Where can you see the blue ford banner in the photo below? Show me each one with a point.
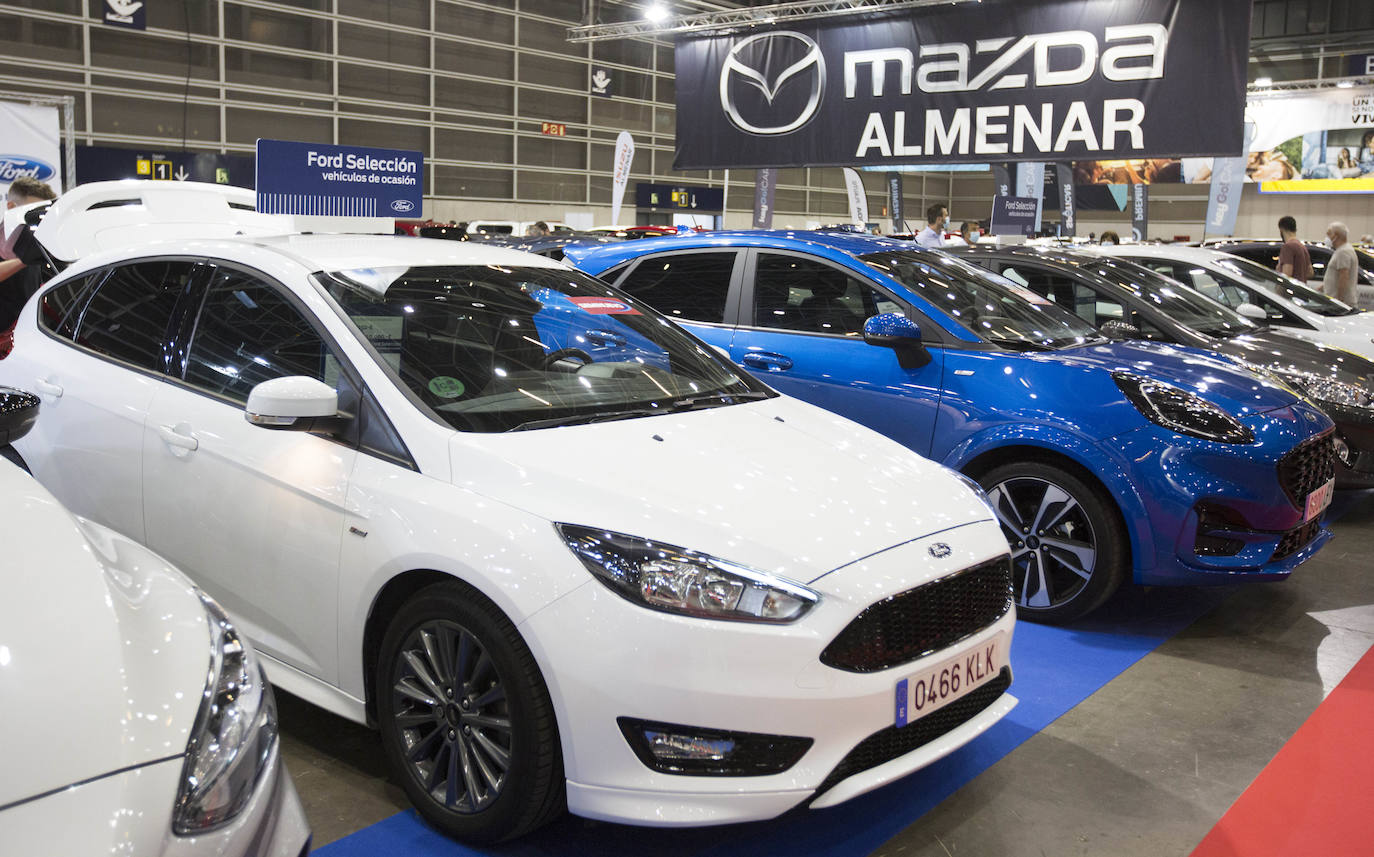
(1014, 215)
(320, 178)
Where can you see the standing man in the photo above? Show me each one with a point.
(16, 284)
(1339, 280)
(1294, 260)
(934, 234)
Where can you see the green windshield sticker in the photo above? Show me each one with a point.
(445, 387)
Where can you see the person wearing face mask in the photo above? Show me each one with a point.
(1110, 237)
(1339, 279)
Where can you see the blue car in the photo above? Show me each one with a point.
(1102, 459)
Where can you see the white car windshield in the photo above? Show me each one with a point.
(488, 348)
(1309, 299)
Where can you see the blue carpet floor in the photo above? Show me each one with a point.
(1055, 669)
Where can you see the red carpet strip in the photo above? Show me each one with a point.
(1316, 797)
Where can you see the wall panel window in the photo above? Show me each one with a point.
(473, 182)
(259, 68)
(488, 26)
(553, 152)
(614, 113)
(404, 13)
(246, 126)
(114, 114)
(131, 50)
(466, 58)
(545, 36)
(547, 71)
(370, 43)
(458, 145)
(545, 106)
(488, 98)
(282, 29)
(567, 10)
(385, 135)
(631, 52)
(556, 187)
(52, 40)
(382, 84)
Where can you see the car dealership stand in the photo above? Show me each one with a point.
(1137, 731)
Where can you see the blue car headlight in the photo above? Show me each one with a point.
(676, 580)
(1181, 411)
(234, 733)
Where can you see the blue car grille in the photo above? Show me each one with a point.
(1308, 467)
(923, 620)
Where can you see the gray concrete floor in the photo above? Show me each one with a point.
(1143, 767)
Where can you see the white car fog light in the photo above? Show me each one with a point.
(672, 748)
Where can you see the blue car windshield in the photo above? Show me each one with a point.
(987, 304)
(491, 348)
(1309, 299)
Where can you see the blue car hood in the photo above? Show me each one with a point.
(1219, 381)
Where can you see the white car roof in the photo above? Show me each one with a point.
(1182, 252)
(332, 252)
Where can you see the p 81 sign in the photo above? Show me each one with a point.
(554, 129)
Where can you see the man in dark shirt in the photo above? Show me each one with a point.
(17, 282)
(1294, 260)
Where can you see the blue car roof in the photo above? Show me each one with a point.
(824, 243)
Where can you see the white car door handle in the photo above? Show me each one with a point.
(47, 388)
(172, 437)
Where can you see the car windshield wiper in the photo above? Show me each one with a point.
(1019, 344)
(586, 419)
(715, 400)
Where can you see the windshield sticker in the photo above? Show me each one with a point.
(446, 387)
(603, 306)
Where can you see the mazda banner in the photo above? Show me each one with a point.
(1001, 80)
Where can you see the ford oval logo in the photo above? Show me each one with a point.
(14, 166)
(939, 550)
(402, 205)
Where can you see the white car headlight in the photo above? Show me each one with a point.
(234, 733)
(677, 580)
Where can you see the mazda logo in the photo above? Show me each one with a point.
(768, 50)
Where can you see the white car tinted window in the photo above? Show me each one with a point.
(129, 315)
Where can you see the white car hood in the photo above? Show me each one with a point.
(1362, 324)
(104, 651)
(778, 485)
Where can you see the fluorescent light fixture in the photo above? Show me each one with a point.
(656, 13)
(1264, 81)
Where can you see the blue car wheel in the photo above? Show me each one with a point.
(1067, 543)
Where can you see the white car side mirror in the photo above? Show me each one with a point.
(1251, 311)
(292, 402)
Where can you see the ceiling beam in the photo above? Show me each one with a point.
(773, 13)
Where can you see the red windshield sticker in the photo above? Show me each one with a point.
(604, 306)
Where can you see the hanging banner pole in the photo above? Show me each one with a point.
(1140, 211)
(624, 159)
(1223, 199)
(894, 201)
(765, 183)
(1068, 226)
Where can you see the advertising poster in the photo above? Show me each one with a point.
(624, 159)
(340, 181)
(1014, 215)
(765, 187)
(1140, 211)
(1068, 216)
(858, 198)
(32, 144)
(996, 81)
(1298, 142)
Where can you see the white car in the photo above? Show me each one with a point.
(1258, 293)
(112, 738)
(552, 545)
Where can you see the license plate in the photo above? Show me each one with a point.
(938, 686)
(1318, 500)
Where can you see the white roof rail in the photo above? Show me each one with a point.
(106, 215)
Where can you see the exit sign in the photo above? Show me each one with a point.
(554, 129)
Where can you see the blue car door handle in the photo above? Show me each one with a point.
(768, 360)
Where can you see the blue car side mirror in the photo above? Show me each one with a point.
(901, 334)
(891, 329)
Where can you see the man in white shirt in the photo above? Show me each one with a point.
(934, 234)
(1339, 280)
